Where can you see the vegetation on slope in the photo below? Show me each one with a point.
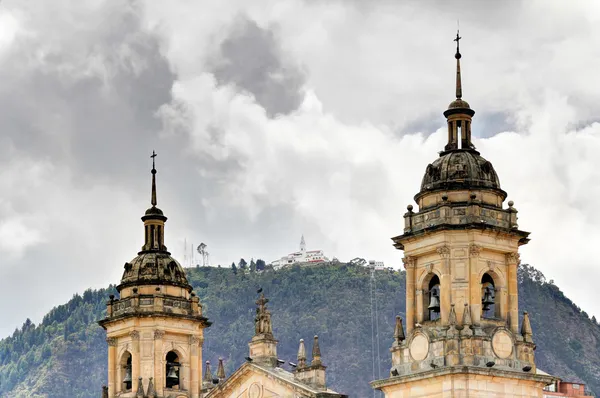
(66, 354)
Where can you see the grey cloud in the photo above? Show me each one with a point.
(251, 58)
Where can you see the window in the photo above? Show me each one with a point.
(488, 297)
(433, 299)
(172, 371)
(125, 369)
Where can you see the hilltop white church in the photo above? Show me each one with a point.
(301, 257)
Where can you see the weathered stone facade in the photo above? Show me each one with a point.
(461, 255)
(155, 328)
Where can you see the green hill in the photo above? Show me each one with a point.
(65, 356)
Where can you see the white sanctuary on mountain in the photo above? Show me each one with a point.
(301, 257)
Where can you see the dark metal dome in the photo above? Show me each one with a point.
(460, 169)
(154, 268)
(459, 104)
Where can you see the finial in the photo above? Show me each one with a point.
(140, 390)
(399, 331)
(458, 56)
(526, 331)
(301, 355)
(221, 370)
(316, 352)
(153, 199)
(207, 373)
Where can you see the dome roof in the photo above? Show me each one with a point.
(153, 211)
(459, 104)
(154, 268)
(460, 169)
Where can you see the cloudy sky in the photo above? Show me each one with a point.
(272, 119)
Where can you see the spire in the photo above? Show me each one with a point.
(457, 56)
(221, 370)
(399, 336)
(452, 316)
(153, 199)
(467, 322)
(207, 374)
(302, 244)
(151, 390)
(301, 355)
(140, 390)
(526, 331)
(316, 352)
(459, 113)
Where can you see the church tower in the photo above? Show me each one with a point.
(155, 328)
(461, 252)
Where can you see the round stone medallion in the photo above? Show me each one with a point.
(255, 391)
(419, 347)
(502, 344)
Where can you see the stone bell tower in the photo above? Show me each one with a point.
(155, 328)
(461, 252)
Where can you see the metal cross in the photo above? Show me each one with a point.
(457, 40)
(153, 156)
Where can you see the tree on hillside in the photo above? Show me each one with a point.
(242, 264)
(234, 268)
(260, 265)
(252, 265)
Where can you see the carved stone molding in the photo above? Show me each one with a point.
(443, 251)
(135, 335)
(409, 261)
(491, 265)
(111, 341)
(159, 334)
(194, 340)
(513, 258)
(474, 250)
(429, 267)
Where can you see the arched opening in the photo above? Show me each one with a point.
(172, 368)
(125, 369)
(489, 307)
(432, 299)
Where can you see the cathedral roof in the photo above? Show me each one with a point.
(460, 169)
(153, 268)
(154, 265)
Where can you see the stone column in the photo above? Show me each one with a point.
(512, 259)
(135, 359)
(445, 283)
(159, 369)
(409, 265)
(474, 294)
(112, 366)
(194, 365)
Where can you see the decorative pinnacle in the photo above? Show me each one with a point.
(153, 199)
(458, 56)
(316, 352)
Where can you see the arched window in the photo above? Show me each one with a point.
(125, 369)
(433, 299)
(172, 371)
(489, 309)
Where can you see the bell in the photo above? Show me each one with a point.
(487, 300)
(434, 302)
(127, 378)
(172, 376)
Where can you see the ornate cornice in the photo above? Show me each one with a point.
(194, 340)
(159, 334)
(111, 341)
(134, 334)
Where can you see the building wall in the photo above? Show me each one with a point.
(466, 385)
